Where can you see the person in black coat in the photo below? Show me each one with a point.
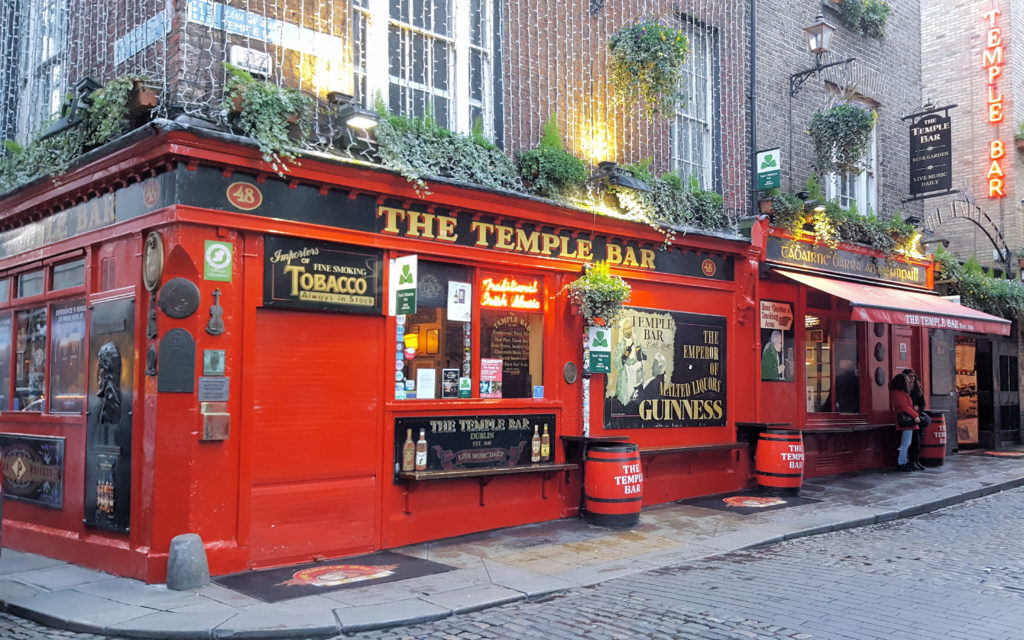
(916, 392)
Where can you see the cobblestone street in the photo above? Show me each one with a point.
(955, 573)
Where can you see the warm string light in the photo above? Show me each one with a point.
(553, 58)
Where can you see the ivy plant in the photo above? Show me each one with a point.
(417, 147)
(977, 288)
(866, 17)
(647, 65)
(264, 111)
(598, 294)
(549, 170)
(841, 134)
(110, 111)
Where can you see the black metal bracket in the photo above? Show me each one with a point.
(595, 6)
(797, 80)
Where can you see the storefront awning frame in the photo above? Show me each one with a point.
(874, 303)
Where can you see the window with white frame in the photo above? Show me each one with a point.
(857, 189)
(427, 57)
(694, 131)
(42, 64)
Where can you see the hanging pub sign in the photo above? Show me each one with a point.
(447, 443)
(668, 370)
(931, 154)
(307, 274)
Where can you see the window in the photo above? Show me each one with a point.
(694, 134)
(68, 274)
(42, 74)
(832, 365)
(437, 348)
(435, 342)
(42, 344)
(427, 57)
(860, 189)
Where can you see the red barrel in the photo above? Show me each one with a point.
(779, 462)
(933, 441)
(613, 484)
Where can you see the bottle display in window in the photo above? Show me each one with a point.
(421, 451)
(408, 452)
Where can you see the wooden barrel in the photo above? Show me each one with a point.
(933, 441)
(779, 462)
(613, 483)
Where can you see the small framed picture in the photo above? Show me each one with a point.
(213, 362)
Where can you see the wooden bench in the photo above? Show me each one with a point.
(649, 454)
(483, 476)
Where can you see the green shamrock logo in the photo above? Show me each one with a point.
(406, 275)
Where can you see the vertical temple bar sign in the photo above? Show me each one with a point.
(992, 60)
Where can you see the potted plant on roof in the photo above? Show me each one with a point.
(123, 102)
(647, 65)
(598, 295)
(263, 111)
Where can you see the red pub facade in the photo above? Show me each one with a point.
(212, 350)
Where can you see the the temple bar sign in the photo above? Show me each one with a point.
(931, 158)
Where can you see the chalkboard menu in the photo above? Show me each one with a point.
(506, 337)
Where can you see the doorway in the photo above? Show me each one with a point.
(314, 441)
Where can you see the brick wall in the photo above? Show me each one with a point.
(886, 72)
(953, 38)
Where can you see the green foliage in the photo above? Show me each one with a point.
(109, 112)
(418, 147)
(264, 111)
(549, 170)
(814, 189)
(672, 203)
(598, 293)
(841, 135)
(107, 118)
(867, 17)
(1019, 135)
(48, 156)
(835, 224)
(647, 65)
(977, 289)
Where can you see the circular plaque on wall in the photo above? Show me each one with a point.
(569, 372)
(879, 352)
(880, 376)
(179, 298)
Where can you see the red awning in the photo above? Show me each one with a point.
(898, 306)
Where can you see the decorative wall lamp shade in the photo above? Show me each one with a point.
(819, 41)
(819, 35)
(350, 113)
(609, 173)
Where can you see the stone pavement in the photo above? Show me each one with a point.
(492, 568)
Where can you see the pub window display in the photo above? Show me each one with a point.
(832, 365)
(435, 346)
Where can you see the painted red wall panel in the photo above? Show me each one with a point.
(314, 487)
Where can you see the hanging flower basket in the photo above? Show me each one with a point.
(647, 65)
(598, 295)
(841, 135)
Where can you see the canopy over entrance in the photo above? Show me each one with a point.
(872, 303)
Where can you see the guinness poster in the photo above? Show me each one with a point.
(108, 430)
(322, 276)
(668, 370)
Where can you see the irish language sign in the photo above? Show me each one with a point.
(668, 370)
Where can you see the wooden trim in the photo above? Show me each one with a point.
(718, 446)
(476, 473)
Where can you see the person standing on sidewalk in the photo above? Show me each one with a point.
(916, 393)
(907, 418)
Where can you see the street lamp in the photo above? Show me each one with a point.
(819, 41)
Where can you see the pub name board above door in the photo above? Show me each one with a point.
(826, 259)
(207, 187)
(308, 274)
